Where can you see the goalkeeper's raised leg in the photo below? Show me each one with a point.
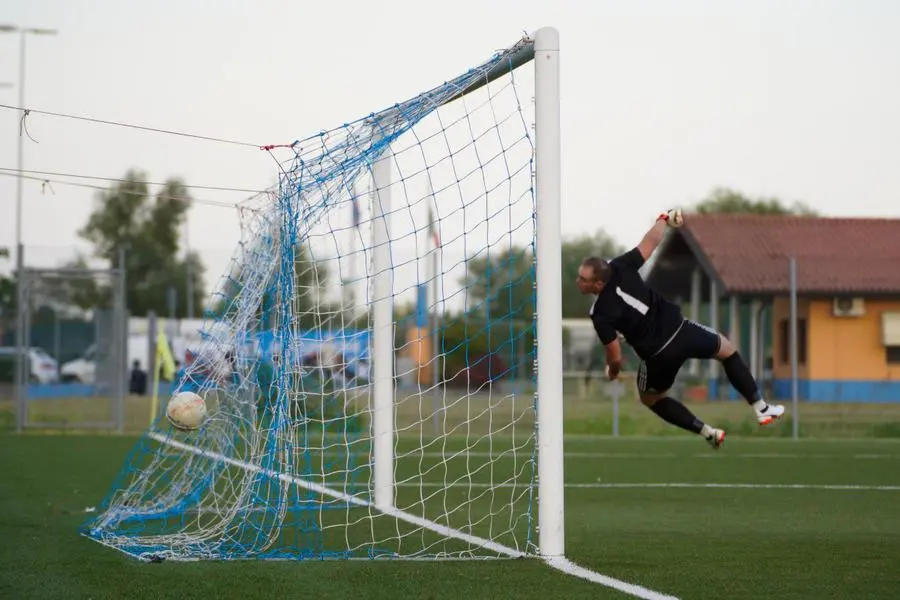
(660, 335)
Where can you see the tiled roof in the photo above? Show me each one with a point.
(750, 253)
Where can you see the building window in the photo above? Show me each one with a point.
(892, 354)
(785, 327)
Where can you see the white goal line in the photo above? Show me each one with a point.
(560, 563)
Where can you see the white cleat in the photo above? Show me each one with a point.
(715, 438)
(770, 414)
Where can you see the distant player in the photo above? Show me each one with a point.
(660, 335)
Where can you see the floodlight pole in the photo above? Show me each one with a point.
(23, 32)
(795, 391)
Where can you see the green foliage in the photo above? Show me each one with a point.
(502, 284)
(500, 347)
(499, 325)
(127, 218)
(727, 201)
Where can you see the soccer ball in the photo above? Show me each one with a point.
(186, 411)
(676, 218)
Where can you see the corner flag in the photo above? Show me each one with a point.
(165, 360)
(164, 356)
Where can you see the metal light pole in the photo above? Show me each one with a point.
(23, 34)
(795, 386)
(4, 251)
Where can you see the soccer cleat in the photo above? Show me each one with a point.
(716, 438)
(769, 414)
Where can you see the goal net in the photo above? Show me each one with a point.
(370, 361)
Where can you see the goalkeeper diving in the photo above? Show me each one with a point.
(661, 337)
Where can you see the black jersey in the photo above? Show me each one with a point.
(629, 306)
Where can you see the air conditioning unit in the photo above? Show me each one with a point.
(890, 329)
(848, 307)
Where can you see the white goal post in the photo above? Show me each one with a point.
(545, 53)
(549, 303)
(298, 459)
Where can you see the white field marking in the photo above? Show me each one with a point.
(600, 485)
(751, 486)
(508, 453)
(354, 500)
(568, 567)
(559, 563)
(761, 455)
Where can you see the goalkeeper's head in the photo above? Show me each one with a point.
(593, 274)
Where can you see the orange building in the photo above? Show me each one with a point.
(732, 272)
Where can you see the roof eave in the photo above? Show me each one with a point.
(704, 261)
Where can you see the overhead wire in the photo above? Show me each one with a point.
(190, 199)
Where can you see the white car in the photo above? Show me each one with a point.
(43, 367)
(80, 370)
(83, 369)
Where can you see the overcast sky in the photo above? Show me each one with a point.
(661, 100)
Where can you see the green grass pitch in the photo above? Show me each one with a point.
(762, 518)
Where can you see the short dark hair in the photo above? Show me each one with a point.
(600, 267)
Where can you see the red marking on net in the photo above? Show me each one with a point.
(273, 146)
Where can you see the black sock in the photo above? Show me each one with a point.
(741, 378)
(674, 412)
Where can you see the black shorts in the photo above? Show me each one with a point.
(692, 340)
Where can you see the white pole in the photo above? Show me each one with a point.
(350, 297)
(20, 140)
(435, 336)
(383, 339)
(714, 323)
(755, 307)
(432, 295)
(549, 294)
(795, 418)
(616, 392)
(734, 328)
(696, 282)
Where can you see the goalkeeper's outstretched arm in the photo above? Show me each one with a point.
(613, 359)
(652, 238)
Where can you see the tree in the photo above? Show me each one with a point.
(728, 201)
(500, 286)
(126, 218)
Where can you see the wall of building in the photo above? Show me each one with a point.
(781, 359)
(846, 360)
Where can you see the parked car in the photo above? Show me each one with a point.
(83, 369)
(43, 368)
